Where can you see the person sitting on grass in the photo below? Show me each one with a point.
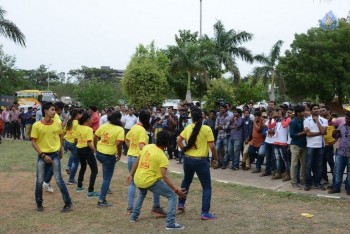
(86, 150)
(46, 138)
(150, 173)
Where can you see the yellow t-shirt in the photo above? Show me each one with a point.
(47, 136)
(110, 135)
(148, 171)
(70, 134)
(136, 136)
(83, 135)
(57, 119)
(328, 137)
(201, 147)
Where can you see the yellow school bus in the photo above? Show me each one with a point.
(34, 97)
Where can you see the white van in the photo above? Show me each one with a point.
(66, 100)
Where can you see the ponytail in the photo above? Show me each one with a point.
(196, 117)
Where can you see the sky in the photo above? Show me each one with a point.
(68, 34)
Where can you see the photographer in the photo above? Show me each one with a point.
(170, 124)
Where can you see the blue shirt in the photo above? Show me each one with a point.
(296, 126)
(247, 128)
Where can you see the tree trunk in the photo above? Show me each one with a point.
(188, 93)
(272, 90)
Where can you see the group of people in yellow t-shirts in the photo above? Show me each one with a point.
(147, 164)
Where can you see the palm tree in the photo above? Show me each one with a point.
(191, 58)
(10, 30)
(227, 48)
(268, 70)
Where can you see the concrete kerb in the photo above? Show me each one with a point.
(246, 178)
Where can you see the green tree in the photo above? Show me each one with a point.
(11, 79)
(268, 70)
(9, 29)
(228, 48)
(318, 64)
(192, 58)
(144, 81)
(246, 91)
(97, 93)
(87, 73)
(38, 78)
(219, 89)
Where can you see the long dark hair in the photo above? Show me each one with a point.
(196, 115)
(85, 117)
(144, 117)
(73, 115)
(114, 118)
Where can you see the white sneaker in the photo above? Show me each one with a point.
(47, 187)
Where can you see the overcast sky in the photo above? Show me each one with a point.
(94, 33)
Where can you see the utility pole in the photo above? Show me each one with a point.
(200, 19)
(48, 78)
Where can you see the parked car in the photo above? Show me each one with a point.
(260, 104)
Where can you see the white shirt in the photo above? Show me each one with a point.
(269, 137)
(316, 141)
(104, 119)
(129, 121)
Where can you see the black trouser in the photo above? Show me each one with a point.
(7, 129)
(172, 147)
(15, 129)
(125, 147)
(86, 156)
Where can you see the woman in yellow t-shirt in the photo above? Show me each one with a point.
(136, 139)
(86, 150)
(69, 144)
(108, 143)
(199, 139)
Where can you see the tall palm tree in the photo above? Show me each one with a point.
(268, 70)
(9, 30)
(228, 48)
(190, 57)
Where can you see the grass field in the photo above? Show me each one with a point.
(239, 209)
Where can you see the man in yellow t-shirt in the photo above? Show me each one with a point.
(46, 138)
(48, 171)
(329, 141)
(150, 173)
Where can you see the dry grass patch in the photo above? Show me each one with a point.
(239, 209)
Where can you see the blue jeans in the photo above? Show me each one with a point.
(234, 150)
(270, 158)
(73, 162)
(40, 172)
(340, 163)
(132, 188)
(283, 159)
(162, 189)
(201, 168)
(108, 165)
(313, 163)
(219, 143)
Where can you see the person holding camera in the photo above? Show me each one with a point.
(171, 122)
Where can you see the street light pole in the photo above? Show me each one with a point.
(48, 78)
(200, 19)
